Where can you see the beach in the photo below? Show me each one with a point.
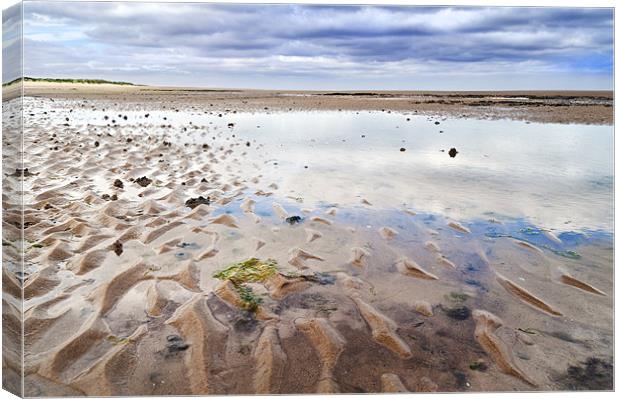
(214, 241)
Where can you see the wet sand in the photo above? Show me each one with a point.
(587, 107)
(126, 223)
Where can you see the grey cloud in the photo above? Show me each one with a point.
(291, 40)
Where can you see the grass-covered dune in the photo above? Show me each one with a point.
(52, 80)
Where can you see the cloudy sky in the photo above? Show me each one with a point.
(319, 47)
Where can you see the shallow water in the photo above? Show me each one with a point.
(555, 176)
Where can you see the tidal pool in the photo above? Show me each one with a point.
(555, 176)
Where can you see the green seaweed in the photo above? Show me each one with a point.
(250, 300)
(480, 366)
(457, 297)
(118, 340)
(566, 254)
(530, 231)
(530, 331)
(252, 270)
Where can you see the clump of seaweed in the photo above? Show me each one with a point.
(250, 300)
(478, 365)
(252, 270)
(240, 274)
(118, 340)
(457, 297)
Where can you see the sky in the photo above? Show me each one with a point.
(321, 47)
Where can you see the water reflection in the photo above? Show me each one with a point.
(556, 176)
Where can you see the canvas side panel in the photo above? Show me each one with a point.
(13, 273)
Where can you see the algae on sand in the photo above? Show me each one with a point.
(252, 270)
(250, 300)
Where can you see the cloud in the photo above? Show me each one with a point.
(11, 43)
(301, 45)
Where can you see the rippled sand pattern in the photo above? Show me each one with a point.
(120, 296)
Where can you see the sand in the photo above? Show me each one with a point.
(120, 296)
(588, 107)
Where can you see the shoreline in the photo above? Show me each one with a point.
(550, 106)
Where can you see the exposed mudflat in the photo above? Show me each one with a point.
(133, 217)
(589, 107)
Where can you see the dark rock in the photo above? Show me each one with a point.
(175, 344)
(294, 219)
(458, 313)
(452, 152)
(96, 144)
(22, 172)
(436, 123)
(191, 245)
(118, 183)
(173, 338)
(231, 125)
(194, 202)
(402, 149)
(117, 247)
(143, 181)
(320, 278)
(478, 365)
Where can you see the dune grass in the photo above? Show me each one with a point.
(53, 80)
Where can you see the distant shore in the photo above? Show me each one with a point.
(553, 106)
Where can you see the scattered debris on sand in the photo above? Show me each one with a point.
(143, 181)
(194, 202)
